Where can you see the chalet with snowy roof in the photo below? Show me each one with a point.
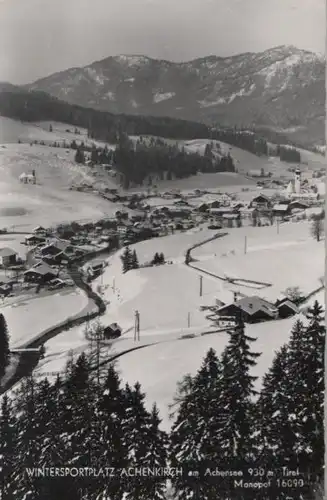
(179, 212)
(55, 247)
(112, 331)
(181, 203)
(286, 308)
(308, 196)
(261, 201)
(247, 212)
(298, 205)
(39, 230)
(203, 207)
(40, 273)
(8, 257)
(221, 211)
(281, 209)
(214, 204)
(34, 239)
(252, 309)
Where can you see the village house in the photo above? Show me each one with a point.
(247, 212)
(40, 273)
(298, 205)
(39, 230)
(224, 199)
(8, 257)
(252, 309)
(180, 212)
(286, 308)
(214, 204)
(261, 201)
(181, 203)
(221, 211)
(203, 207)
(33, 240)
(5, 289)
(281, 209)
(112, 331)
(56, 247)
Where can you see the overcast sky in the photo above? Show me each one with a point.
(40, 37)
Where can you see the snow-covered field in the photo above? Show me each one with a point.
(165, 295)
(14, 241)
(158, 368)
(50, 201)
(27, 319)
(270, 257)
(12, 131)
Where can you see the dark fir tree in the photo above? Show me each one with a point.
(137, 434)
(76, 409)
(8, 449)
(126, 259)
(317, 228)
(28, 435)
(134, 263)
(4, 345)
(157, 455)
(50, 439)
(79, 156)
(112, 445)
(276, 431)
(195, 439)
(238, 393)
(310, 402)
(161, 258)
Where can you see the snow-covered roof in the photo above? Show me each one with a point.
(41, 268)
(7, 252)
(280, 206)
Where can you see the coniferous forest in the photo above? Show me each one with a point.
(80, 421)
(34, 106)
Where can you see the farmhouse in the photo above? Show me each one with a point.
(298, 205)
(55, 247)
(40, 273)
(33, 239)
(112, 331)
(286, 308)
(203, 207)
(260, 201)
(253, 309)
(39, 230)
(281, 209)
(179, 212)
(8, 257)
(221, 211)
(27, 178)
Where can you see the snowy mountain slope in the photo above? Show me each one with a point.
(282, 88)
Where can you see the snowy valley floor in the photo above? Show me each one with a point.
(164, 296)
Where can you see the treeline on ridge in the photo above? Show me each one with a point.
(34, 106)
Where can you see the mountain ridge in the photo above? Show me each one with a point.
(280, 89)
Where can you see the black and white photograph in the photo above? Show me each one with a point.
(162, 249)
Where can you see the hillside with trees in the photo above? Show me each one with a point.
(220, 421)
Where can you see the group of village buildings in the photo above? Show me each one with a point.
(143, 217)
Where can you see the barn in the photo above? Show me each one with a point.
(252, 309)
(112, 331)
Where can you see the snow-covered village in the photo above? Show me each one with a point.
(162, 288)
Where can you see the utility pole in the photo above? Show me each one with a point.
(245, 244)
(188, 320)
(277, 225)
(113, 286)
(201, 285)
(137, 326)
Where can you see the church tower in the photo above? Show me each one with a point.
(297, 181)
